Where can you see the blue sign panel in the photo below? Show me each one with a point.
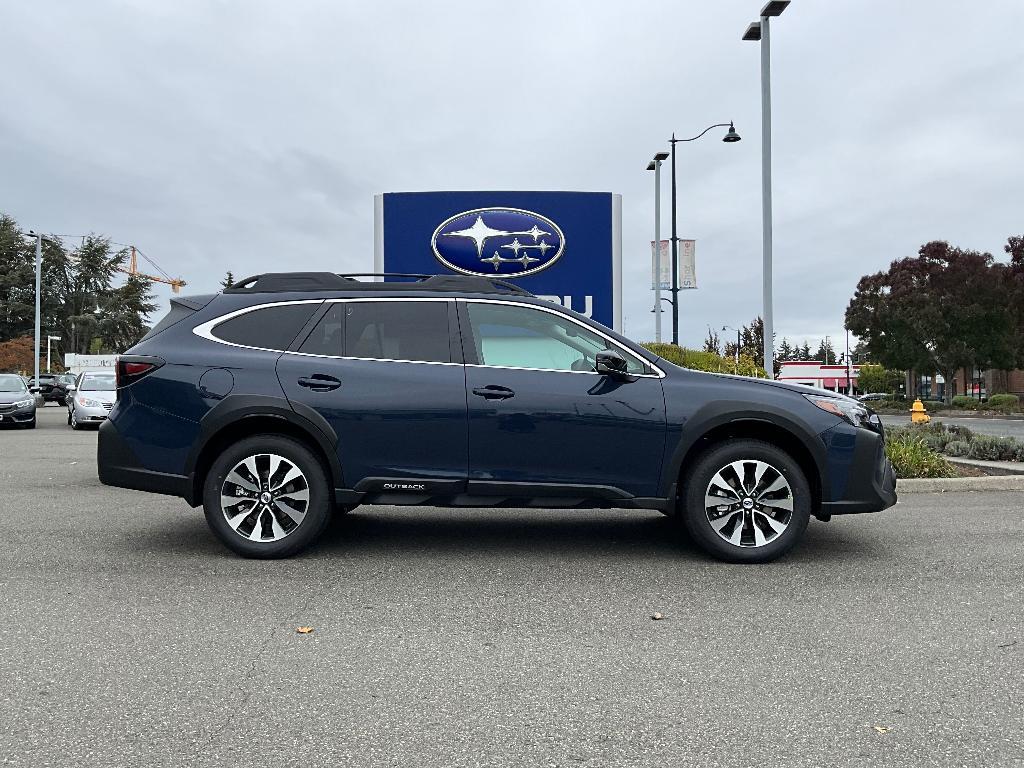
(564, 246)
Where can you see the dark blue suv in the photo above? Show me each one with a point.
(291, 396)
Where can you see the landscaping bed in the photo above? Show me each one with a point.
(923, 450)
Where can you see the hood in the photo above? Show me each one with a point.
(801, 389)
(11, 397)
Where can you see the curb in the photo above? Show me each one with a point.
(999, 468)
(946, 484)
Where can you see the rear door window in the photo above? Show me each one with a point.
(415, 331)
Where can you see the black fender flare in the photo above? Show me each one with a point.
(235, 409)
(724, 412)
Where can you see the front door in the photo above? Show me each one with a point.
(382, 373)
(542, 419)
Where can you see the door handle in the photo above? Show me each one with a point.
(494, 392)
(319, 382)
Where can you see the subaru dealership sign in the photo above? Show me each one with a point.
(563, 246)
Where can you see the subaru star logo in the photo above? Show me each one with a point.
(504, 242)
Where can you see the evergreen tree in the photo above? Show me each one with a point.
(786, 352)
(228, 281)
(711, 344)
(805, 351)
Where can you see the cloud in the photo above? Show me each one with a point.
(250, 135)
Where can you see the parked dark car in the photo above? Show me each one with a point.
(54, 387)
(17, 403)
(290, 395)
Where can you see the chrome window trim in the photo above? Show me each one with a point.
(658, 373)
(205, 330)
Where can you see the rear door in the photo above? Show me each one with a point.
(387, 377)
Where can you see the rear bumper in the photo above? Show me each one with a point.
(870, 483)
(118, 466)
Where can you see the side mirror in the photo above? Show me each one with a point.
(610, 364)
(72, 387)
(34, 390)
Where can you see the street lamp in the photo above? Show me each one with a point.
(759, 30)
(736, 353)
(655, 165)
(730, 137)
(48, 340)
(39, 272)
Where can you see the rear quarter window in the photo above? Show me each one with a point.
(266, 328)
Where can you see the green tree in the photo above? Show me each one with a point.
(786, 352)
(805, 351)
(17, 281)
(228, 281)
(121, 322)
(944, 309)
(825, 353)
(877, 378)
(712, 343)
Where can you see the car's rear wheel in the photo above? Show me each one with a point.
(73, 420)
(267, 496)
(746, 501)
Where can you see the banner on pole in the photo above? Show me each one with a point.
(666, 266)
(687, 264)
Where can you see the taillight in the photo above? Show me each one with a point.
(131, 368)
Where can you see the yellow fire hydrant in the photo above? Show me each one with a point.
(918, 415)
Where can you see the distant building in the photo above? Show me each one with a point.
(815, 373)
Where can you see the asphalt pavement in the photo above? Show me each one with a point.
(981, 424)
(130, 637)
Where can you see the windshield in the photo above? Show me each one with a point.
(100, 383)
(11, 383)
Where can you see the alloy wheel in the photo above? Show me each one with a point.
(264, 497)
(749, 503)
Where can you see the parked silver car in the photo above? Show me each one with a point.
(91, 399)
(17, 403)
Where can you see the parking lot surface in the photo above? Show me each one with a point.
(497, 637)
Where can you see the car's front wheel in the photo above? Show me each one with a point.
(746, 501)
(267, 496)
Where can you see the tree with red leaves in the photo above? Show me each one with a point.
(944, 309)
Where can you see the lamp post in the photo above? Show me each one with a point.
(39, 272)
(736, 354)
(655, 165)
(759, 30)
(48, 340)
(730, 137)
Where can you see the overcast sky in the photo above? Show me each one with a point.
(251, 136)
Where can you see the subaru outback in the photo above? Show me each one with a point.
(292, 396)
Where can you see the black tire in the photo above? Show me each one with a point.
(75, 424)
(69, 417)
(304, 533)
(695, 517)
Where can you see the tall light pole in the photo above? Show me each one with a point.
(759, 30)
(39, 272)
(655, 165)
(730, 137)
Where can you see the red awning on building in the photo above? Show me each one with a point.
(828, 383)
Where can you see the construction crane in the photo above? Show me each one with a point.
(133, 269)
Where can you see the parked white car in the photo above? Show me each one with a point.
(91, 399)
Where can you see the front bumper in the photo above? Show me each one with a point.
(24, 415)
(861, 478)
(92, 414)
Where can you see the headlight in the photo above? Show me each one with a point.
(24, 403)
(85, 402)
(849, 411)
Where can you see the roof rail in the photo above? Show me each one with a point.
(276, 282)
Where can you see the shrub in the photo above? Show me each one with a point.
(910, 457)
(992, 448)
(958, 448)
(698, 360)
(965, 403)
(1004, 403)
